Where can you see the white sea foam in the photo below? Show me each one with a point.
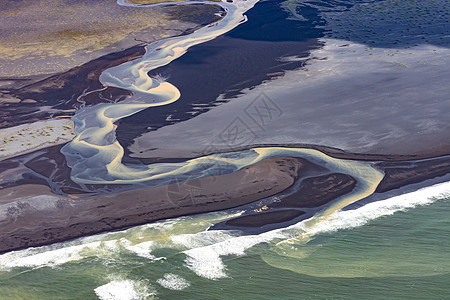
(161, 225)
(61, 253)
(206, 261)
(57, 254)
(173, 282)
(201, 239)
(204, 250)
(363, 215)
(124, 290)
(142, 249)
(26, 258)
(101, 245)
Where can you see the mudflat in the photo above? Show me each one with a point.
(31, 215)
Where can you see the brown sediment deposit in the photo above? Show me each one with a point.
(317, 191)
(52, 36)
(265, 218)
(31, 215)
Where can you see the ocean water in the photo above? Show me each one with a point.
(395, 248)
(392, 249)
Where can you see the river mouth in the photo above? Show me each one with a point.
(340, 180)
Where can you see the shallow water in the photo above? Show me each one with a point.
(396, 248)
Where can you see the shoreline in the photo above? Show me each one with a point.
(44, 218)
(400, 177)
(60, 218)
(32, 216)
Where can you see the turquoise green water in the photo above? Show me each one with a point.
(391, 249)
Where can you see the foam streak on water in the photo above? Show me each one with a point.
(361, 216)
(123, 290)
(204, 249)
(173, 282)
(206, 261)
(95, 155)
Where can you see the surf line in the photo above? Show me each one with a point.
(95, 155)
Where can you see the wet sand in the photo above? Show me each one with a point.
(32, 216)
(60, 94)
(317, 192)
(265, 218)
(372, 96)
(398, 175)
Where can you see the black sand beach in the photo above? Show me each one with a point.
(71, 216)
(68, 210)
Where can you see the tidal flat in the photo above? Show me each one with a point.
(204, 150)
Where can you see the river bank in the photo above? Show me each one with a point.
(33, 216)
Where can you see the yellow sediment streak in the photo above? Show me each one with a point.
(96, 156)
(368, 178)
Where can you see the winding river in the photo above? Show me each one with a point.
(363, 252)
(95, 155)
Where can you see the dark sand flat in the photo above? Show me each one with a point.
(317, 192)
(31, 215)
(265, 218)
